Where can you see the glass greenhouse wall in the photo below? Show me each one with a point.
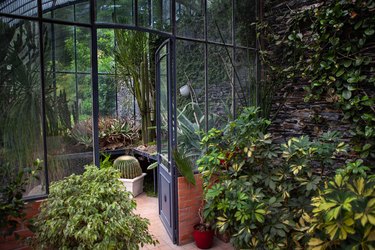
(61, 78)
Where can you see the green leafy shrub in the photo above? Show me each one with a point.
(90, 211)
(259, 191)
(344, 212)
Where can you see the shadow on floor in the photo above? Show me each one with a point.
(147, 207)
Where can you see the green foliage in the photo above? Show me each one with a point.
(90, 211)
(259, 191)
(184, 166)
(344, 212)
(128, 166)
(132, 56)
(330, 47)
(11, 196)
(113, 133)
(106, 161)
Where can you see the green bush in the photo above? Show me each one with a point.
(344, 212)
(90, 211)
(259, 191)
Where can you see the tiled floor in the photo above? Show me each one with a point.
(147, 207)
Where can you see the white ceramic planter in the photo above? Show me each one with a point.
(135, 186)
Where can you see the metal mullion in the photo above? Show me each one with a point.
(132, 27)
(258, 65)
(114, 47)
(15, 16)
(42, 81)
(35, 198)
(206, 65)
(94, 84)
(173, 112)
(135, 13)
(234, 61)
(63, 22)
(53, 54)
(75, 60)
(173, 15)
(149, 13)
(80, 73)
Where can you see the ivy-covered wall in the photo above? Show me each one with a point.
(319, 63)
(291, 115)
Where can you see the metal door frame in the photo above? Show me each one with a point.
(172, 126)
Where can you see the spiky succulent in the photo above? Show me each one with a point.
(128, 166)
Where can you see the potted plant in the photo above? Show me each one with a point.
(131, 173)
(203, 234)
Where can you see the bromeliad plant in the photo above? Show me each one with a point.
(344, 211)
(259, 191)
(113, 133)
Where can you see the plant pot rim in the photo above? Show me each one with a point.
(135, 179)
(208, 229)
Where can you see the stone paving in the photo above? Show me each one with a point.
(147, 207)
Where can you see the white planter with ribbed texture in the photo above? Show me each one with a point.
(135, 186)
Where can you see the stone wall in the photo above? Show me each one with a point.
(291, 115)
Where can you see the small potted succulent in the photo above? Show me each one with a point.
(131, 173)
(203, 234)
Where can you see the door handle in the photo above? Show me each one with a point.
(165, 198)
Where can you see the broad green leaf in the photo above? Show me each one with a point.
(315, 242)
(347, 94)
(340, 73)
(369, 32)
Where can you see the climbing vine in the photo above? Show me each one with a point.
(330, 46)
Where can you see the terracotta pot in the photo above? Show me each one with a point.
(203, 238)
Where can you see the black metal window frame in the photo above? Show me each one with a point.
(93, 25)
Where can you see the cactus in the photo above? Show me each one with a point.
(128, 166)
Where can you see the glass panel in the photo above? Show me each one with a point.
(107, 96)
(55, 11)
(83, 49)
(144, 13)
(115, 11)
(82, 12)
(245, 15)
(22, 8)
(127, 106)
(21, 141)
(190, 97)
(164, 108)
(62, 44)
(245, 90)
(84, 97)
(115, 132)
(161, 15)
(219, 86)
(190, 18)
(219, 15)
(68, 104)
(106, 48)
(67, 10)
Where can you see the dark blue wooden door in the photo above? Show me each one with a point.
(165, 137)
